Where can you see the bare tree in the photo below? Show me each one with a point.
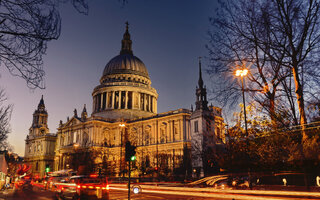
(25, 29)
(5, 115)
(278, 39)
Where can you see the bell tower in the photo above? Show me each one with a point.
(40, 120)
(201, 92)
(202, 130)
(39, 143)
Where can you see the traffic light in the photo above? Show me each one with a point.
(133, 158)
(99, 172)
(130, 152)
(47, 168)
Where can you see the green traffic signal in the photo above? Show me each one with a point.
(130, 152)
(133, 158)
(47, 168)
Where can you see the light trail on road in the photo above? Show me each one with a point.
(231, 194)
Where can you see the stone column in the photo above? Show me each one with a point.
(112, 99)
(119, 103)
(145, 102)
(107, 100)
(126, 103)
(184, 128)
(139, 101)
(154, 105)
(154, 128)
(101, 101)
(90, 136)
(172, 131)
(134, 95)
(179, 128)
(149, 104)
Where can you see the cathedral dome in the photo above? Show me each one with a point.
(125, 91)
(126, 64)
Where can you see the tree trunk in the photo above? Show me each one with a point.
(272, 111)
(300, 101)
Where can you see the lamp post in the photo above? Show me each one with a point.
(121, 125)
(242, 73)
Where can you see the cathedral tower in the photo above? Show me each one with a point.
(40, 118)
(40, 144)
(125, 91)
(202, 123)
(201, 93)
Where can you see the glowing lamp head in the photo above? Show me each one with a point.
(241, 72)
(244, 72)
(122, 125)
(133, 158)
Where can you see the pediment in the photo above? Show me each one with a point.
(73, 121)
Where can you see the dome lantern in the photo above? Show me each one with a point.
(126, 42)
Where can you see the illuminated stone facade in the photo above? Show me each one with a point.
(160, 140)
(125, 109)
(40, 144)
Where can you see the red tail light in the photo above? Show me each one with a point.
(93, 175)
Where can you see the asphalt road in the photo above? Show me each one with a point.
(122, 194)
(39, 194)
(35, 194)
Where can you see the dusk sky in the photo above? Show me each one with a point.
(167, 35)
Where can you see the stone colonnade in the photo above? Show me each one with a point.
(124, 100)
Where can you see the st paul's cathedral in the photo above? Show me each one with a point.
(125, 109)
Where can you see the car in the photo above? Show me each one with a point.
(82, 187)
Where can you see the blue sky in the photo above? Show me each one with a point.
(168, 36)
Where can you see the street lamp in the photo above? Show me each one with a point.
(242, 73)
(121, 125)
